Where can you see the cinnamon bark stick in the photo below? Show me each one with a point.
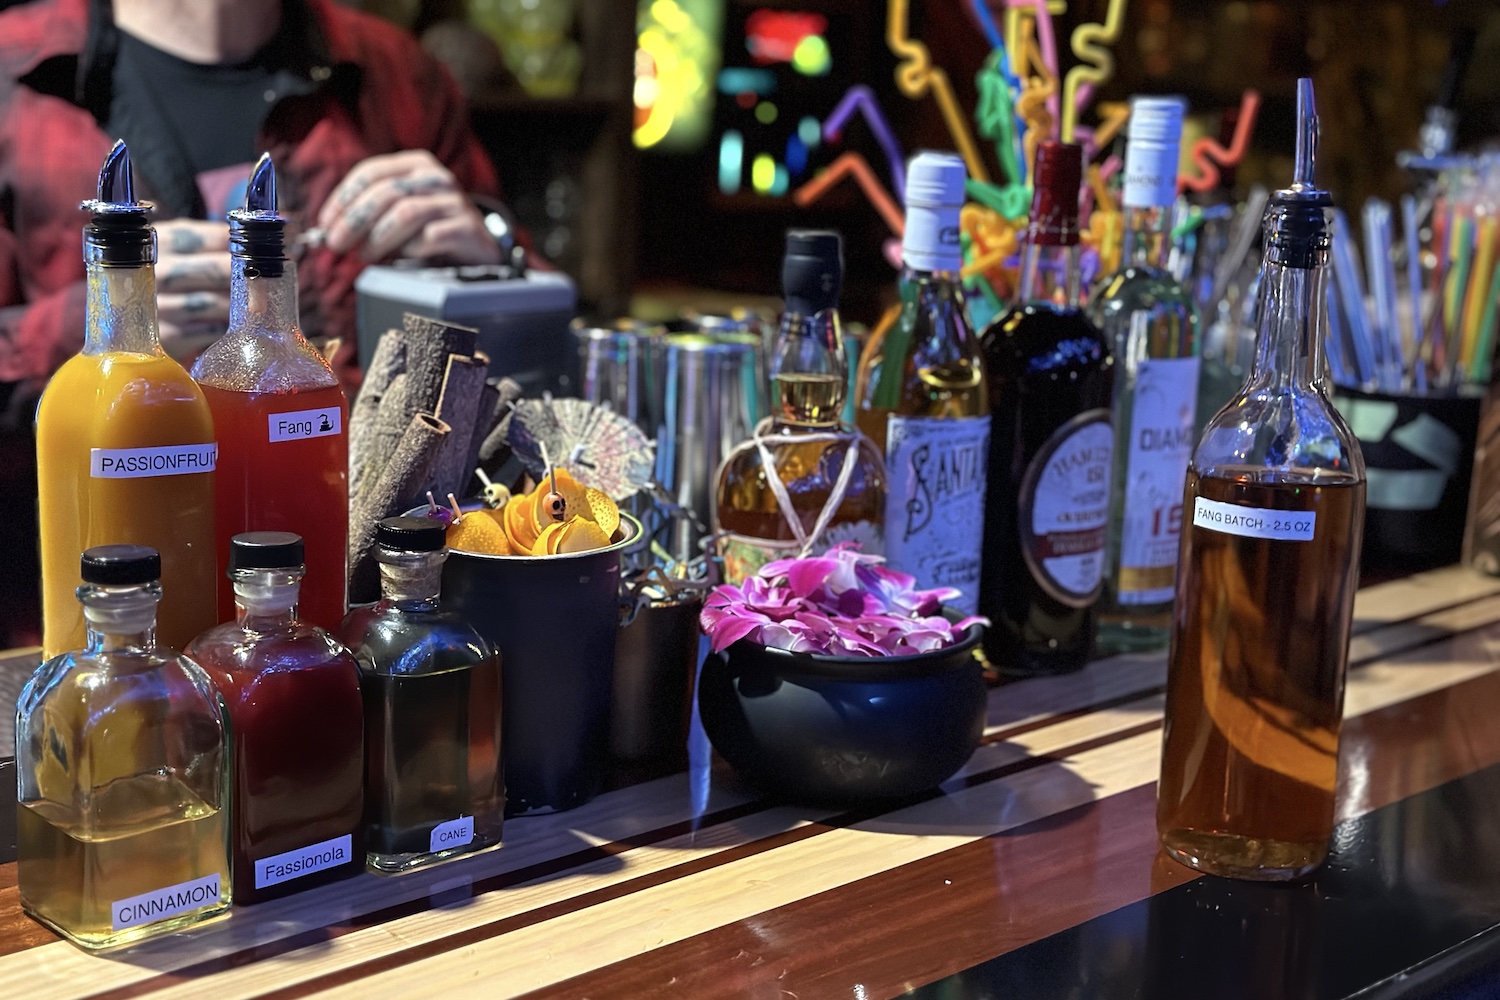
(496, 446)
(486, 417)
(458, 407)
(398, 488)
(389, 423)
(429, 343)
(385, 364)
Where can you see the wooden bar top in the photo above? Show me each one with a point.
(1033, 872)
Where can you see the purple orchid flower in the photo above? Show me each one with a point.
(842, 603)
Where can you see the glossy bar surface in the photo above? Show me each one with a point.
(1032, 870)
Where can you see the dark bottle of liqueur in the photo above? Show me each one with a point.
(431, 685)
(1050, 381)
(1273, 514)
(292, 693)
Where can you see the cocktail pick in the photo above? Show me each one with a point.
(497, 495)
(554, 502)
(458, 512)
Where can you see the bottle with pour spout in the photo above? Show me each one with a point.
(284, 440)
(1274, 511)
(124, 438)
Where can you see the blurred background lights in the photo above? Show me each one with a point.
(676, 63)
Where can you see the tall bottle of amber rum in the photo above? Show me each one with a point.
(803, 482)
(431, 687)
(1152, 326)
(924, 398)
(1275, 505)
(122, 766)
(1051, 378)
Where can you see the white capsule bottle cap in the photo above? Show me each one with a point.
(934, 197)
(1151, 150)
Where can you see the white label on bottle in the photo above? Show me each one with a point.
(303, 861)
(1255, 522)
(141, 463)
(300, 424)
(1065, 509)
(1161, 443)
(454, 833)
(934, 506)
(149, 907)
(1150, 175)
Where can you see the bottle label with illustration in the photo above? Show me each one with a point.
(1255, 522)
(1064, 507)
(744, 555)
(303, 861)
(454, 833)
(299, 425)
(142, 463)
(149, 907)
(1162, 436)
(934, 524)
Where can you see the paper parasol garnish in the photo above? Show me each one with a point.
(601, 448)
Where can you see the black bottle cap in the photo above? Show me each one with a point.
(812, 270)
(411, 534)
(118, 232)
(121, 565)
(257, 234)
(266, 550)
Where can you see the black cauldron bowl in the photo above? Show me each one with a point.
(833, 730)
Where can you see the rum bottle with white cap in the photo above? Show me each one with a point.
(1274, 509)
(923, 397)
(1151, 324)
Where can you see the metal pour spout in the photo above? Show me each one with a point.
(260, 194)
(1307, 136)
(115, 193)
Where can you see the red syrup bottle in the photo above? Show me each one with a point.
(284, 441)
(297, 719)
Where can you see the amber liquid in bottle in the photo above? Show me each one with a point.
(434, 785)
(143, 832)
(1272, 518)
(805, 446)
(1251, 761)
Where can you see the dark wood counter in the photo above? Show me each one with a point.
(1034, 872)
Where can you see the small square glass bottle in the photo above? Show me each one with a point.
(122, 759)
(292, 693)
(431, 684)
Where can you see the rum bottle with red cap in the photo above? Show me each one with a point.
(1051, 379)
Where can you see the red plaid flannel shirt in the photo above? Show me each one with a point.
(51, 148)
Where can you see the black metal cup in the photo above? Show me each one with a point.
(554, 620)
(1419, 460)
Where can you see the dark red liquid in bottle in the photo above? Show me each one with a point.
(297, 721)
(284, 466)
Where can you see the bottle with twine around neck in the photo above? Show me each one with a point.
(803, 482)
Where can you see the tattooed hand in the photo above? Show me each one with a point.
(406, 205)
(192, 283)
